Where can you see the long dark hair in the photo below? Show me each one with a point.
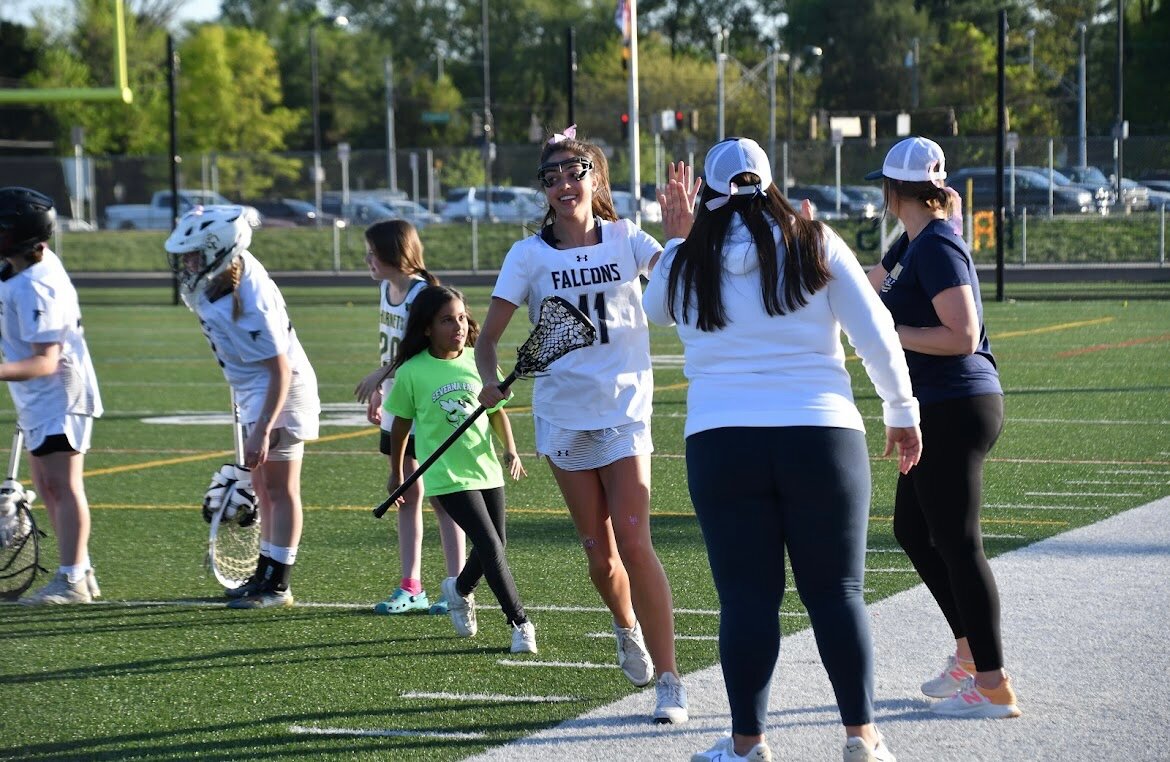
(698, 262)
(602, 197)
(422, 311)
(396, 243)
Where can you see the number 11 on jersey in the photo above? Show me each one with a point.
(599, 308)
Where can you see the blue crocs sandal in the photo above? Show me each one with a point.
(402, 602)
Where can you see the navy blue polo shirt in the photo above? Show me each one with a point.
(917, 271)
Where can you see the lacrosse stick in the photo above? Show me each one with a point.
(20, 539)
(233, 544)
(560, 329)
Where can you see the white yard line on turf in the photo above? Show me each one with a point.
(494, 697)
(611, 636)
(382, 733)
(1084, 623)
(558, 664)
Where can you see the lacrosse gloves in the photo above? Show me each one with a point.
(231, 490)
(12, 497)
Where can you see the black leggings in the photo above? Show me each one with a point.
(758, 492)
(480, 514)
(936, 519)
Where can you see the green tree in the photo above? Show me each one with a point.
(230, 103)
(83, 56)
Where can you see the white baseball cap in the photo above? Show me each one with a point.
(730, 158)
(915, 160)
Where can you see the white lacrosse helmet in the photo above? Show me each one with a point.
(218, 233)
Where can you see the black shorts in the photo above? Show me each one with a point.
(384, 445)
(53, 443)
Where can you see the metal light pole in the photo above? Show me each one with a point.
(391, 140)
(1120, 128)
(772, 104)
(1082, 109)
(721, 36)
(487, 119)
(793, 61)
(318, 172)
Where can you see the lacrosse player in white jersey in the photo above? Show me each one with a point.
(244, 318)
(592, 409)
(394, 255)
(52, 382)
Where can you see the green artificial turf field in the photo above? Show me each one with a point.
(160, 670)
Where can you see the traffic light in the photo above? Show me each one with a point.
(625, 126)
(679, 119)
(695, 120)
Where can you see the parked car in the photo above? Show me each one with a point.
(294, 211)
(413, 212)
(868, 193)
(623, 202)
(825, 197)
(509, 204)
(1032, 191)
(1162, 186)
(1134, 197)
(1159, 193)
(798, 201)
(1103, 193)
(157, 214)
(358, 212)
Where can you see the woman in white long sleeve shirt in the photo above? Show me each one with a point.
(776, 453)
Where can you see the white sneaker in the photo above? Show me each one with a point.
(60, 591)
(524, 638)
(724, 751)
(91, 583)
(461, 609)
(948, 681)
(671, 706)
(856, 750)
(632, 655)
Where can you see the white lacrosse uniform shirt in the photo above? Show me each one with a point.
(609, 383)
(39, 306)
(263, 331)
(391, 330)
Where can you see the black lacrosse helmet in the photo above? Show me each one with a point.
(27, 218)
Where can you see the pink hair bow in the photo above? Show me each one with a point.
(570, 133)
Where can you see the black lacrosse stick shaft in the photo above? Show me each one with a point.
(380, 511)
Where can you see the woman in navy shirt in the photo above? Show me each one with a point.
(928, 281)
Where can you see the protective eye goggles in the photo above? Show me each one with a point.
(553, 173)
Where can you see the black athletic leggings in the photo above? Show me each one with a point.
(758, 492)
(936, 519)
(480, 514)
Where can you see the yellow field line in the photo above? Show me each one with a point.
(213, 455)
(1052, 328)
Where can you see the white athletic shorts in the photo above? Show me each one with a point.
(76, 428)
(573, 450)
(283, 444)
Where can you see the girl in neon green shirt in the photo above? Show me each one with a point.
(436, 388)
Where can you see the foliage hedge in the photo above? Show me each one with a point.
(1064, 239)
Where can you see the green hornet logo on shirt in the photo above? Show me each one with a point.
(457, 401)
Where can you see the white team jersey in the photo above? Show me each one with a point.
(39, 306)
(392, 324)
(609, 383)
(263, 331)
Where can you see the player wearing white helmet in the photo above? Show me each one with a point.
(52, 382)
(244, 318)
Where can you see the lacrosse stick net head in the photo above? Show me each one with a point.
(19, 552)
(560, 329)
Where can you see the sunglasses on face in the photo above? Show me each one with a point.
(552, 174)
